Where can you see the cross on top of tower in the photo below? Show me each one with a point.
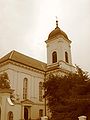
(56, 22)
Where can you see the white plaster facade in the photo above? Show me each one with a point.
(19, 66)
(16, 75)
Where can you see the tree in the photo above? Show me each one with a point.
(68, 96)
(4, 81)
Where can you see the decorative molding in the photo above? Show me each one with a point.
(22, 66)
(6, 91)
(56, 37)
(27, 101)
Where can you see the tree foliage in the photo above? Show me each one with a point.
(4, 81)
(68, 96)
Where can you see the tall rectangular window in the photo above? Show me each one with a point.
(40, 91)
(54, 57)
(66, 57)
(25, 86)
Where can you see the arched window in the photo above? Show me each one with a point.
(25, 87)
(40, 91)
(54, 57)
(10, 115)
(66, 57)
(40, 113)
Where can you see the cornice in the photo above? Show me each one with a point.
(56, 70)
(21, 65)
(57, 37)
(51, 69)
(66, 63)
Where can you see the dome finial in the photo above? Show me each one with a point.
(56, 22)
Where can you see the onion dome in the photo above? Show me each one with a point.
(57, 31)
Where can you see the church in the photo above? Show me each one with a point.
(23, 100)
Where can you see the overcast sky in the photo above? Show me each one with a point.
(26, 24)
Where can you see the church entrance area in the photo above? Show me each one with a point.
(27, 112)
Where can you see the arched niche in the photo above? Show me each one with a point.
(10, 115)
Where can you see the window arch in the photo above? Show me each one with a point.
(25, 88)
(66, 57)
(54, 57)
(40, 91)
(10, 115)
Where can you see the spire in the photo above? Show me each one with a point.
(56, 22)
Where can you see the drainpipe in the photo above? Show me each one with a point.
(44, 93)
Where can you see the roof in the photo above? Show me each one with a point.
(23, 59)
(57, 31)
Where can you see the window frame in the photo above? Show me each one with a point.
(54, 57)
(25, 88)
(66, 57)
(40, 91)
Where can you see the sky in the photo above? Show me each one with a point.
(26, 24)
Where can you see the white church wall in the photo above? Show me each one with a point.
(35, 111)
(51, 47)
(60, 45)
(17, 74)
(67, 47)
(7, 107)
(15, 109)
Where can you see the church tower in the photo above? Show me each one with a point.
(59, 50)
